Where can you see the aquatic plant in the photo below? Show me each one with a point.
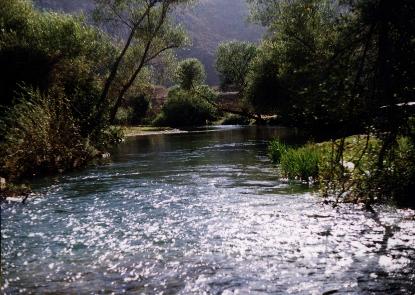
(301, 163)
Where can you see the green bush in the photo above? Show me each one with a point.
(133, 112)
(185, 108)
(140, 105)
(301, 163)
(296, 163)
(40, 136)
(355, 175)
(190, 73)
(45, 50)
(50, 124)
(124, 116)
(113, 135)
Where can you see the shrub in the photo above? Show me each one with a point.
(190, 73)
(50, 125)
(301, 163)
(399, 179)
(124, 116)
(296, 163)
(354, 175)
(133, 112)
(140, 106)
(185, 108)
(40, 136)
(113, 135)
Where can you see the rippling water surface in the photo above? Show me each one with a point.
(199, 213)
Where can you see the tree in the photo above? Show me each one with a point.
(53, 66)
(346, 68)
(190, 73)
(305, 84)
(147, 32)
(41, 50)
(264, 90)
(233, 60)
(187, 108)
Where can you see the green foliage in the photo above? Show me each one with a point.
(140, 105)
(112, 135)
(338, 68)
(355, 175)
(296, 163)
(233, 61)
(134, 111)
(327, 66)
(49, 49)
(186, 108)
(124, 116)
(276, 148)
(295, 76)
(399, 179)
(150, 35)
(40, 136)
(264, 91)
(190, 73)
(301, 163)
(54, 65)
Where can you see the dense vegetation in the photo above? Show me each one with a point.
(332, 68)
(207, 22)
(190, 102)
(342, 68)
(233, 61)
(65, 80)
(54, 65)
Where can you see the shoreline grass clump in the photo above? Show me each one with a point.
(296, 163)
(301, 163)
(348, 170)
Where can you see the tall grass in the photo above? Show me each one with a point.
(354, 174)
(301, 163)
(275, 149)
(40, 136)
(296, 163)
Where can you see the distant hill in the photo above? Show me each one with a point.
(66, 5)
(213, 21)
(209, 22)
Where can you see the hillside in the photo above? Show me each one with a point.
(213, 21)
(209, 22)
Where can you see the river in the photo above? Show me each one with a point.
(199, 213)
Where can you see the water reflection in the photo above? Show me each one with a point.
(199, 213)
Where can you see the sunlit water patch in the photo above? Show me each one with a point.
(199, 213)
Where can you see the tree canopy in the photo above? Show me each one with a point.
(190, 73)
(147, 33)
(233, 60)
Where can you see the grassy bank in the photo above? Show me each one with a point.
(348, 169)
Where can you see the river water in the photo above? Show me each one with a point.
(199, 213)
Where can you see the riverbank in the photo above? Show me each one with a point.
(131, 131)
(348, 169)
(13, 193)
(203, 211)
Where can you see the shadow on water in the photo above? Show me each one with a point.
(380, 269)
